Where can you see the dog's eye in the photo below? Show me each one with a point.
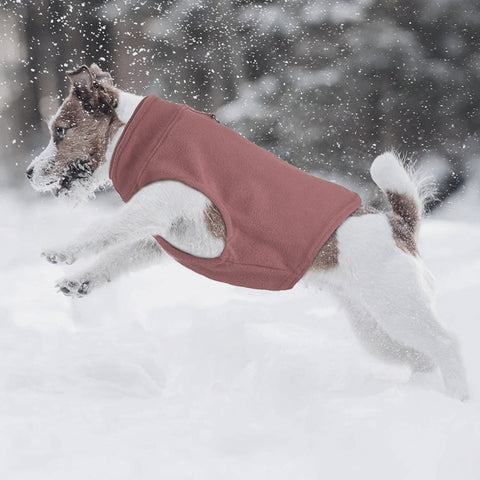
(60, 132)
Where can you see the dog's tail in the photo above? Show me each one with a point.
(405, 190)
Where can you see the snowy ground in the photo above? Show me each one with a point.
(166, 375)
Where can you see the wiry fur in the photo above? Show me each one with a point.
(371, 263)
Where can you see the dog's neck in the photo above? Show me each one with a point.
(127, 103)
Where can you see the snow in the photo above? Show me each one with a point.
(167, 375)
(336, 12)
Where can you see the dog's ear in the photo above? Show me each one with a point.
(100, 76)
(96, 94)
(82, 82)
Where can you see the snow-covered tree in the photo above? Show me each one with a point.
(324, 84)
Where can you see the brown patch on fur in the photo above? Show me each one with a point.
(327, 257)
(214, 221)
(404, 206)
(405, 239)
(404, 220)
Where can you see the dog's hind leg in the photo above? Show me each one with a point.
(404, 311)
(378, 343)
(392, 286)
(111, 265)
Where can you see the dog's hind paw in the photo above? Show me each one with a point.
(458, 389)
(73, 288)
(54, 256)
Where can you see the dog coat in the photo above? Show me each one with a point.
(277, 217)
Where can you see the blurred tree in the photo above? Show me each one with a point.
(362, 77)
(58, 35)
(326, 84)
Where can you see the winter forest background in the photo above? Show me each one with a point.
(324, 84)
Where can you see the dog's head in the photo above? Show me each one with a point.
(80, 133)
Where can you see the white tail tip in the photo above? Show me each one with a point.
(389, 174)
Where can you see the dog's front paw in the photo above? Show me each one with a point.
(74, 288)
(58, 256)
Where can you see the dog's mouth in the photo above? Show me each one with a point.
(76, 172)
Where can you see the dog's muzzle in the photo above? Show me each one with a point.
(78, 169)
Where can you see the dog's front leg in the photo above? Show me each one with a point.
(96, 238)
(138, 219)
(111, 265)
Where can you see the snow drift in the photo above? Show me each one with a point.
(166, 374)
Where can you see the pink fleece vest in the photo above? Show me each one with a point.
(277, 217)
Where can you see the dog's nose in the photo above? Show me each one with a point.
(29, 173)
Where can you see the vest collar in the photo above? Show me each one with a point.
(141, 136)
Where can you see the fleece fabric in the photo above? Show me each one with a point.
(277, 217)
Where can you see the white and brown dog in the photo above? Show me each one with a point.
(370, 262)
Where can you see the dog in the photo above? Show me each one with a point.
(369, 260)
